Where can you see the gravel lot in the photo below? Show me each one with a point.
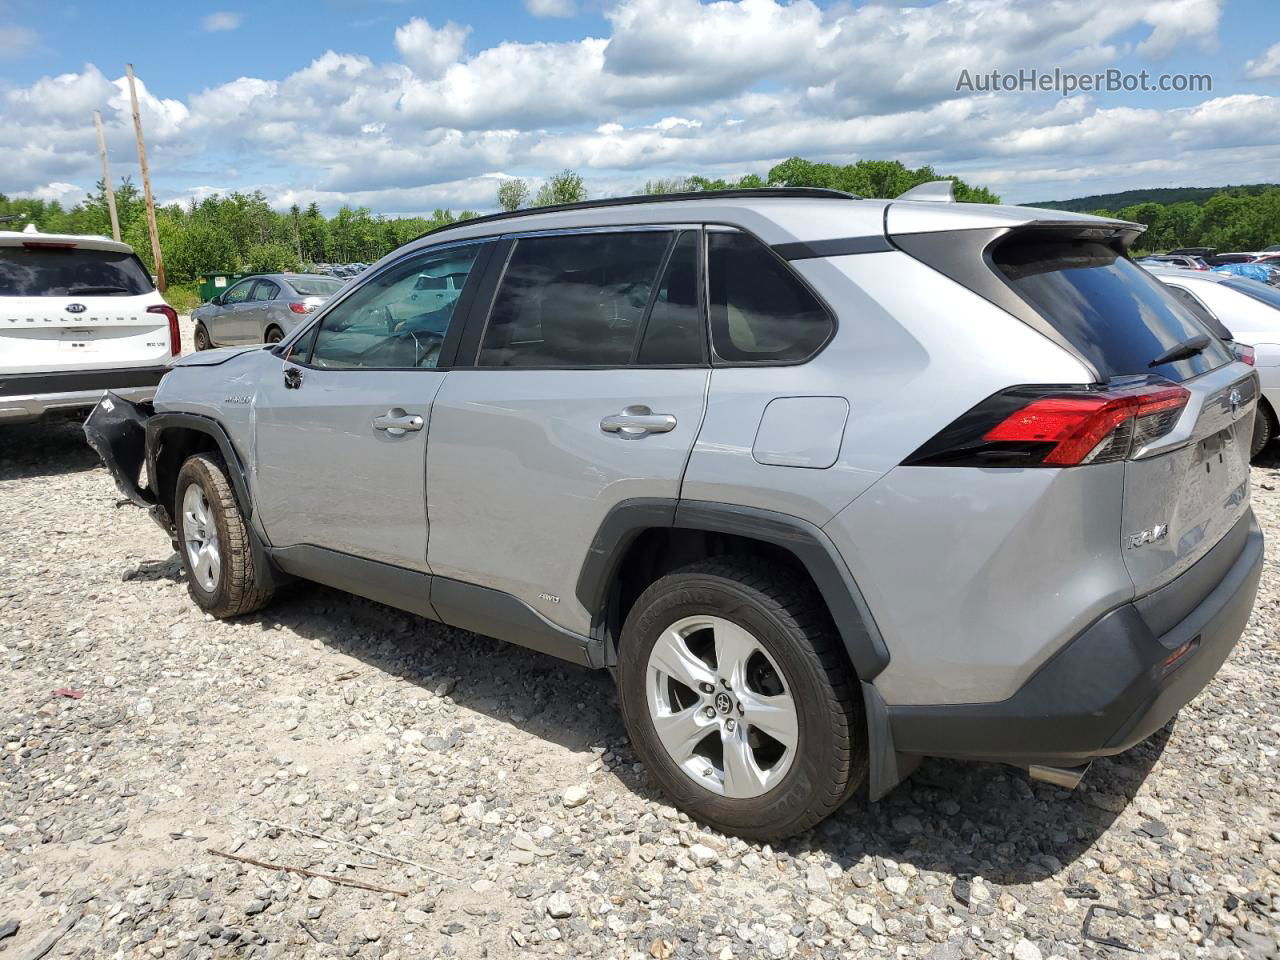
(504, 783)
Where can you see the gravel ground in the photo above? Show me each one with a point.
(497, 789)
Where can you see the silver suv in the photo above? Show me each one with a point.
(829, 484)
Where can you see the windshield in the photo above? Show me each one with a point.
(1255, 289)
(314, 286)
(1114, 313)
(52, 272)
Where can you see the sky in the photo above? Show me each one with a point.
(405, 106)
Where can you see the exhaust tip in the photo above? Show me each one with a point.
(1066, 777)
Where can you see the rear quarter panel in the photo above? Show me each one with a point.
(912, 350)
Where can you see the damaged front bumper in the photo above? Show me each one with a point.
(116, 429)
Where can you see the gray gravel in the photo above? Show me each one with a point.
(504, 784)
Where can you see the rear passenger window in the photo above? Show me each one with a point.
(576, 300)
(673, 333)
(760, 311)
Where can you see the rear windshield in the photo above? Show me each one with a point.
(1115, 314)
(44, 272)
(1255, 289)
(314, 286)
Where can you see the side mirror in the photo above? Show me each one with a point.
(217, 301)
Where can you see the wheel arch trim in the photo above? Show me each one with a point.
(160, 423)
(805, 541)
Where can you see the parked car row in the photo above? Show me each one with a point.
(1260, 264)
(343, 271)
(669, 437)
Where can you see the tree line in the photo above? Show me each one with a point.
(1230, 220)
(242, 232)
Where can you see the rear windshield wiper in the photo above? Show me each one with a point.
(97, 289)
(1182, 351)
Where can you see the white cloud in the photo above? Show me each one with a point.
(221, 21)
(673, 87)
(551, 8)
(1176, 21)
(58, 192)
(429, 50)
(1265, 67)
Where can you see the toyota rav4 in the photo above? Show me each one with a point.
(829, 484)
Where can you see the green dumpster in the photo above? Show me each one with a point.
(211, 285)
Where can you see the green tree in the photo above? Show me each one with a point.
(513, 194)
(565, 187)
(666, 185)
(199, 248)
(271, 258)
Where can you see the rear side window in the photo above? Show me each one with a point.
(314, 286)
(1199, 311)
(265, 290)
(51, 272)
(1115, 314)
(575, 300)
(760, 311)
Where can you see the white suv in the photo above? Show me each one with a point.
(78, 315)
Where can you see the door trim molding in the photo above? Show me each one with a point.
(466, 606)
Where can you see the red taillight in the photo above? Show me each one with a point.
(1244, 353)
(300, 307)
(175, 338)
(1056, 427)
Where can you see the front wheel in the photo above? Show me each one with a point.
(214, 541)
(738, 698)
(202, 337)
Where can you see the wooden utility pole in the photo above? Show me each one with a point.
(106, 177)
(146, 183)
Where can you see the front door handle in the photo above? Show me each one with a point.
(396, 423)
(636, 421)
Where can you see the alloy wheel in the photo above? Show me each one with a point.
(200, 536)
(721, 707)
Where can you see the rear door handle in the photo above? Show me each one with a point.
(396, 423)
(636, 421)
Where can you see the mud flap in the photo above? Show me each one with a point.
(116, 430)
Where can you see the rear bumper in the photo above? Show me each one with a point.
(1112, 686)
(29, 397)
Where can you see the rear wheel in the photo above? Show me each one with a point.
(1264, 429)
(213, 540)
(201, 338)
(737, 696)
(274, 335)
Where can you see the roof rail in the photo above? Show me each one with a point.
(750, 193)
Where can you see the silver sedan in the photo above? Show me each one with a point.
(260, 309)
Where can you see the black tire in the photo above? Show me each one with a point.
(1264, 429)
(236, 590)
(788, 618)
(201, 338)
(274, 335)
